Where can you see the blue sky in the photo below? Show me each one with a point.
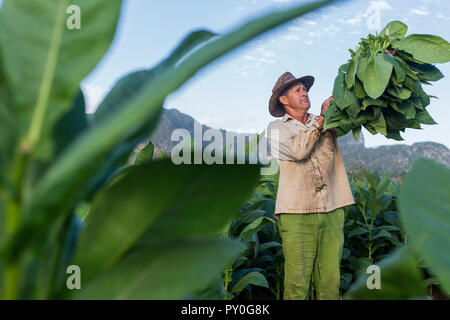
(233, 92)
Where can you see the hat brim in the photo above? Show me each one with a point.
(276, 109)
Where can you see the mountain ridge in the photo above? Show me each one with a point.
(396, 159)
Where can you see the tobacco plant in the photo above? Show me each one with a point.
(422, 201)
(372, 226)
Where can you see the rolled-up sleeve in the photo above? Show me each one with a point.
(292, 146)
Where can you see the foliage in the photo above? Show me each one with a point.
(374, 234)
(372, 226)
(140, 221)
(257, 225)
(384, 92)
(424, 208)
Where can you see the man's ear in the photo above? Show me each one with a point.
(283, 99)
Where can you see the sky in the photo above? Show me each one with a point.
(233, 92)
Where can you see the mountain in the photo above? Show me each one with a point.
(396, 159)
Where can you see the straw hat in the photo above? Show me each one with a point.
(276, 109)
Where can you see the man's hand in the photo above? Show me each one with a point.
(326, 105)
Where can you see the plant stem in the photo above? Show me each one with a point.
(55, 272)
(14, 216)
(12, 280)
(227, 280)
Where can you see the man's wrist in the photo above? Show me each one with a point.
(320, 122)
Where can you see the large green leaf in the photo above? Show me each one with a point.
(408, 71)
(212, 291)
(353, 109)
(343, 97)
(399, 72)
(8, 127)
(351, 74)
(339, 87)
(400, 279)
(407, 109)
(424, 208)
(371, 102)
(70, 125)
(169, 269)
(425, 47)
(363, 61)
(403, 93)
(83, 158)
(52, 58)
(359, 89)
(395, 29)
(145, 154)
(377, 75)
(382, 185)
(379, 124)
(424, 117)
(356, 132)
(123, 91)
(158, 201)
(371, 179)
(252, 278)
(428, 72)
(255, 226)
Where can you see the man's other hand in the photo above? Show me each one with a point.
(391, 53)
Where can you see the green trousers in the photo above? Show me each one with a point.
(312, 245)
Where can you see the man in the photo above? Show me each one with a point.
(313, 189)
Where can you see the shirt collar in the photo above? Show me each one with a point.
(287, 117)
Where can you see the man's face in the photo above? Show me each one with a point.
(297, 97)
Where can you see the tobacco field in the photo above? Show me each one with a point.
(150, 229)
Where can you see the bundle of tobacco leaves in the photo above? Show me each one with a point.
(380, 87)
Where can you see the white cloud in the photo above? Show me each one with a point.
(379, 5)
(310, 22)
(260, 59)
(245, 117)
(250, 58)
(266, 53)
(296, 29)
(307, 22)
(264, 60)
(331, 30)
(291, 37)
(422, 11)
(240, 130)
(212, 122)
(93, 95)
(355, 20)
(255, 62)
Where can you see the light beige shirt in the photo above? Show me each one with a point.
(312, 173)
